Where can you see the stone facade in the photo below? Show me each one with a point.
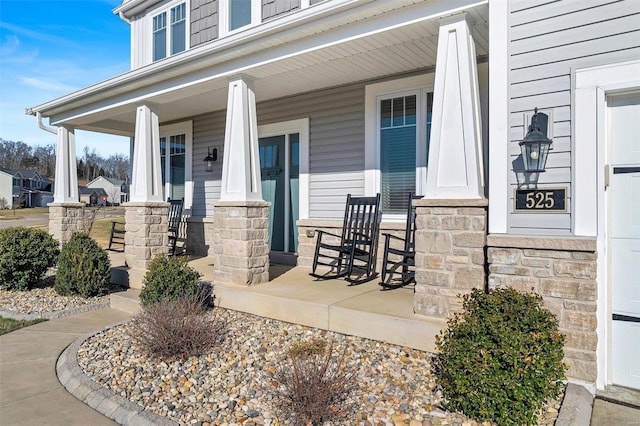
(65, 219)
(450, 253)
(146, 226)
(241, 242)
(563, 271)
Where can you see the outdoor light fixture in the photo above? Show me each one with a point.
(212, 157)
(535, 145)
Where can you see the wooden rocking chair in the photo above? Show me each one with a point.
(356, 248)
(403, 260)
(174, 221)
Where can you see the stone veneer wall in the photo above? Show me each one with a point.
(146, 232)
(563, 271)
(240, 245)
(450, 259)
(65, 219)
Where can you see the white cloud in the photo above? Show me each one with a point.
(50, 85)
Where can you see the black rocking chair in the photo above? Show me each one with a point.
(357, 247)
(400, 261)
(174, 221)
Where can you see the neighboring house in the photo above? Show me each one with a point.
(303, 102)
(6, 189)
(113, 188)
(28, 188)
(92, 196)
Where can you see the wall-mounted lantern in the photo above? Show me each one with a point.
(212, 157)
(535, 146)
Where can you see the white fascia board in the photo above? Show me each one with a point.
(134, 7)
(204, 58)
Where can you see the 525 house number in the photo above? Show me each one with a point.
(533, 200)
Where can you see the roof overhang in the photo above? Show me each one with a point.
(343, 42)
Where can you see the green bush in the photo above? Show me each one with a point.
(169, 278)
(83, 268)
(25, 255)
(500, 358)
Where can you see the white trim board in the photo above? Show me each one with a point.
(592, 86)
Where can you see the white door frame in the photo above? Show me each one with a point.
(592, 86)
(301, 127)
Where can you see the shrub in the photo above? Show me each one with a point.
(500, 358)
(176, 328)
(311, 387)
(25, 255)
(168, 278)
(83, 268)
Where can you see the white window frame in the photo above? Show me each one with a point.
(182, 128)
(167, 9)
(224, 21)
(420, 85)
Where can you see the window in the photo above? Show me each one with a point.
(238, 14)
(398, 124)
(172, 39)
(175, 161)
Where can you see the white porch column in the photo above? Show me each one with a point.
(146, 175)
(455, 153)
(241, 165)
(66, 187)
(66, 213)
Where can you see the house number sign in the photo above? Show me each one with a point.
(552, 200)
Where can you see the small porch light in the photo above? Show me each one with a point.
(535, 146)
(212, 157)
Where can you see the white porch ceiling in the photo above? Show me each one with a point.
(190, 90)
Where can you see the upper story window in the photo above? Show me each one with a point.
(238, 14)
(170, 38)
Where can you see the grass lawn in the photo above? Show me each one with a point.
(8, 324)
(102, 229)
(9, 214)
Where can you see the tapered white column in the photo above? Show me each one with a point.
(66, 187)
(455, 168)
(241, 165)
(146, 175)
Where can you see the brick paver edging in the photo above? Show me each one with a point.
(54, 314)
(113, 406)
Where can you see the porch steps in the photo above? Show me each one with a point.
(293, 296)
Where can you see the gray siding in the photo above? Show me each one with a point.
(336, 147)
(273, 8)
(204, 21)
(546, 40)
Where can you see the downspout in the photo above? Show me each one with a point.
(124, 18)
(49, 129)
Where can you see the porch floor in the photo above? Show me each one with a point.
(293, 296)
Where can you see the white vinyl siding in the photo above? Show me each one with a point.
(547, 40)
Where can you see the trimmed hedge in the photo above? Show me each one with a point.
(501, 358)
(83, 268)
(25, 255)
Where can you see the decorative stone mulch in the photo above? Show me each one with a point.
(44, 302)
(231, 384)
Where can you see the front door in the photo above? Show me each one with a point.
(624, 237)
(279, 169)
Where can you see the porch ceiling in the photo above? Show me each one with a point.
(399, 48)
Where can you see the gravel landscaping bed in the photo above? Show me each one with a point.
(44, 302)
(231, 385)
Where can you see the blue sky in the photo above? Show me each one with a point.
(49, 48)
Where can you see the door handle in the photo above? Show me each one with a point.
(625, 318)
(622, 170)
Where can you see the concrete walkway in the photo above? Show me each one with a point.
(30, 393)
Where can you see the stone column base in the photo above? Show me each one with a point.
(65, 219)
(146, 233)
(450, 253)
(241, 242)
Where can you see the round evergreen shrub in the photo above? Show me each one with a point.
(83, 268)
(168, 278)
(25, 255)
(500, 358)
